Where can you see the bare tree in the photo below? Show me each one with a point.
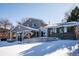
(5, 23)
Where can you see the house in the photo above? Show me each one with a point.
(27, 29)
(66, 30)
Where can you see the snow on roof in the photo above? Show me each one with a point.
(65, 24)
(23, 28)
(29, 28)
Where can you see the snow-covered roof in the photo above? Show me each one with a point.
(30, 28)
(65, 24)
(22, 28)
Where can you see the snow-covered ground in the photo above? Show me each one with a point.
(50, 48)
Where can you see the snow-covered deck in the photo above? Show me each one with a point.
(49, 48)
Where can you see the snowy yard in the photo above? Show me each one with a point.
(50, 48)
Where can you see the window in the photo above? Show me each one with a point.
(65, 29)
(34, 25)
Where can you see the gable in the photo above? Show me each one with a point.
(31, 22)
(19, 28)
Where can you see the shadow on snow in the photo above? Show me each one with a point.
(46, 48)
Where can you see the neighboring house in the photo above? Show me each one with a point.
(28, 29)
(4, 33)
(66, 30)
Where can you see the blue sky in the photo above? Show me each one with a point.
(53, 12)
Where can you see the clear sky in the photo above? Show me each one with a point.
(53, 12)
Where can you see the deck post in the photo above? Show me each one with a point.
(16, 36)
(22, 35)
(39, 32)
